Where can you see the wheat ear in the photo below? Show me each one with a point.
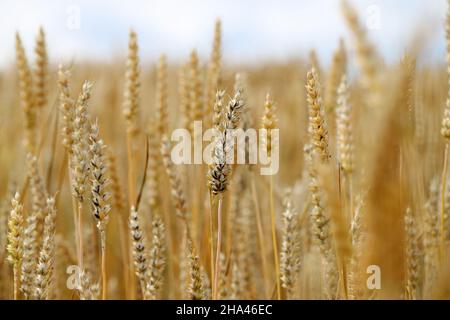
(445, 131)
(26, 95)
(45, 266)
(214, 67)
(138, 249)
(290, 247)
(41, 70)
(100, 195)
(196, 288)
(15, 240)
(161, 95)
(413, 255)
(157, 259)
(80, 159)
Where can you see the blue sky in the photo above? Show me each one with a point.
(253, 30)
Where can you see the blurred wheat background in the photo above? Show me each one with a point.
(92, 206)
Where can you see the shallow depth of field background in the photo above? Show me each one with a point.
(391, 210)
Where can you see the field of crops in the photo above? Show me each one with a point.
(112, 186)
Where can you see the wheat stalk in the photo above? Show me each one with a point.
(269, 122)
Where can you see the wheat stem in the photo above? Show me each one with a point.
(103, 254)
(80, 233)
(219, 244)
(211, 236)
(16, 272)
(274, 239)
(259, 226)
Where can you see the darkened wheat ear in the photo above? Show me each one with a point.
(138, 248)
(222, 155)
(99, 181)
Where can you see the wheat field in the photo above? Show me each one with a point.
(93, 205)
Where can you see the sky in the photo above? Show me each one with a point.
(253, 30)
